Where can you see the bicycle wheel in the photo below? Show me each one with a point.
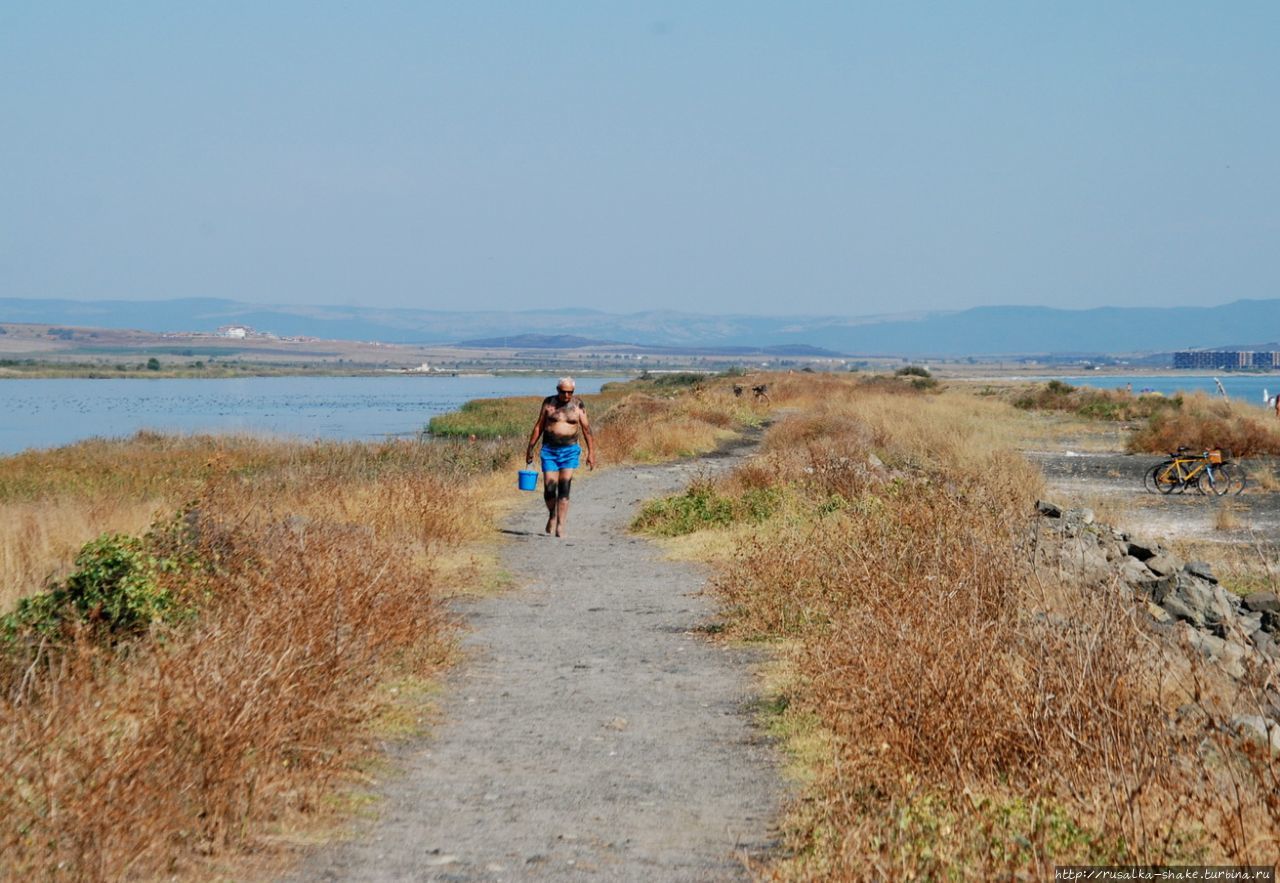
(1168, 477)
(1213, 480)
(1149, 478)
(1233, 476)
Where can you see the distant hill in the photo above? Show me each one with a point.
(569, 341)
(535, 342)
(983, 331)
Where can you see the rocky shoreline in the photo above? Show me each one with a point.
(1182, 602)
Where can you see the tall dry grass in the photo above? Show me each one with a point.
(1203, 422)
(977, 717)
(39, 540)
(197, 740)
(167, 752)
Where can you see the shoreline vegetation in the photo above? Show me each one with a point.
(949, 708)
(206, 638)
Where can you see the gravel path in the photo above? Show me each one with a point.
(592, 734)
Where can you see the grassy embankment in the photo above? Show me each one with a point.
(951, 711)
(209, 676)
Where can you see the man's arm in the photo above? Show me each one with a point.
(537, 433)
(587, 437)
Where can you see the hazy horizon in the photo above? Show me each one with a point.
(821, 159)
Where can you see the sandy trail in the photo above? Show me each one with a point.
(591, 733)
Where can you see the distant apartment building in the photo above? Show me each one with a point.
(237, 331)
(1227, 360)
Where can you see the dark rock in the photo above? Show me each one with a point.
(1179, 608)
(1164, 564)
(1250, 623)
(1143, 550)
(1135, 573)
(1048, 510)
(1265, 644)
(1201, 569)
(1263, 602)
(1157, 589)
(1194, 601)
(1227, 654)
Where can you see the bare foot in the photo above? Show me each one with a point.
(552, 526)
(560, 532)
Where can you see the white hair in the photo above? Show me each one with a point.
(566, 381)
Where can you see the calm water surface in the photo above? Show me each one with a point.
(47, 413)
(1247, 388)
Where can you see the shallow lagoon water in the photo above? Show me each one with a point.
(1247, 388)
(48, 413)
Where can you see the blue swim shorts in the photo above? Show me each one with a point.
(564, 457)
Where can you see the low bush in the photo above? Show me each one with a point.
(1201, 423)
(487, 418)
(703, 505)
(1093, 404)
(117, 586)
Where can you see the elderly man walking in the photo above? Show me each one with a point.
(561, 420)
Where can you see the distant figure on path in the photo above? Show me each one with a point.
(561, 419)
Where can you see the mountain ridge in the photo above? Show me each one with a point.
(978, 331)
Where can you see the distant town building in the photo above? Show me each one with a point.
(237, 331)
(1226, 360)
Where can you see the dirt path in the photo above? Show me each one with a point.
(591, 734)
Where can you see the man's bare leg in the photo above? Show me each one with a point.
(550, 492)
(562, 501)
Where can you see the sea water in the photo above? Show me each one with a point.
(1247, 388)
(40, 413)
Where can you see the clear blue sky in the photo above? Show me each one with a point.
(849, 158)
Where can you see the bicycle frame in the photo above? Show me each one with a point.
(1183, 470)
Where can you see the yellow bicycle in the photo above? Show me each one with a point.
(1209, 472)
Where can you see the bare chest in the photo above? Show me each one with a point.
(569, 413)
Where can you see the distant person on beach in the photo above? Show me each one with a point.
(561, 419)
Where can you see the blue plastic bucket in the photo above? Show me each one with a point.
(528, 480)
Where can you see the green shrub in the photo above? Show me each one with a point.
(1094, 404)
(912, 371)
(116, 586)
(702, 507)
(697, 508)
(488, 418)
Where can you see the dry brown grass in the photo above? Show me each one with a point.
(202, 741)
(199, 740)
(972, 717)
(1203, 423)
(39, 540)
(644, 427)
